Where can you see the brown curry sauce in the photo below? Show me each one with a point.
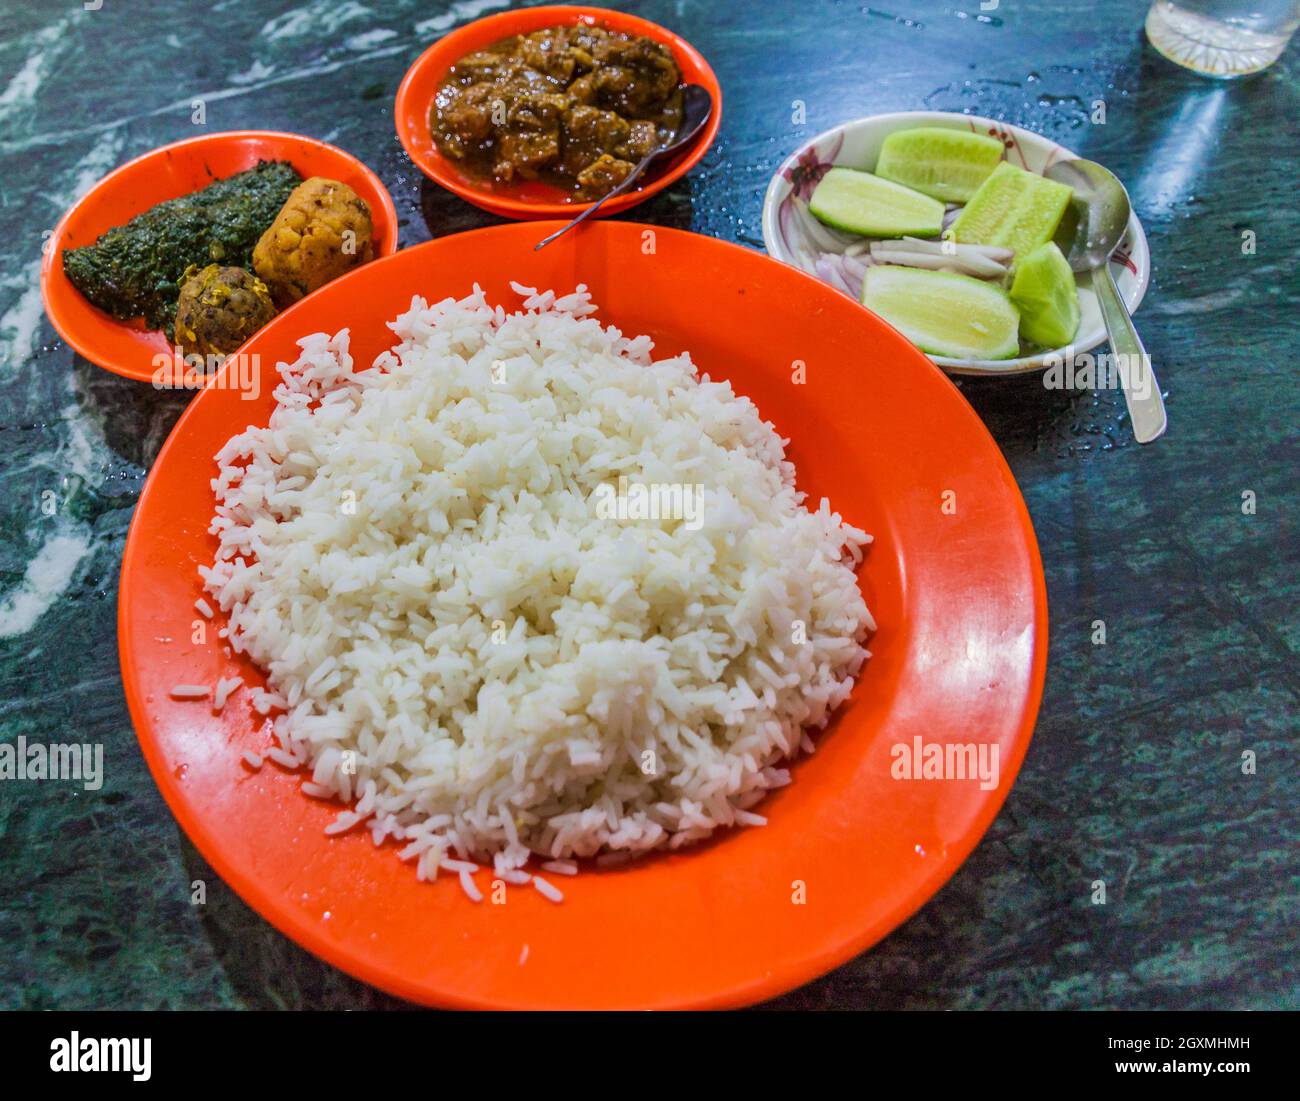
(572, 106)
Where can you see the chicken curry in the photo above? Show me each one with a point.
(573, 106)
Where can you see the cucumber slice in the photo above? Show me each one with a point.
(862, 203)
(944, 313)
(1013, 209)
(1045, 293)
(944, 164)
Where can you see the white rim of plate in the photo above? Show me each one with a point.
(1133, 276)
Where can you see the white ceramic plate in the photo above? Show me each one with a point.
(794, 236)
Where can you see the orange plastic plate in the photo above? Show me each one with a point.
(849, 851)
(127, 347)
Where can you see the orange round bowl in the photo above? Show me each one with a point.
(127, 347)
(534, 199)
(849, 851)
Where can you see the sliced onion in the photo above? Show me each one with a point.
(912, 244)
(965, 262)
(855, 281)
(993, 252)
(853, 265)
(925, 260)
(823, 236)
(828, 272)
(849, 270)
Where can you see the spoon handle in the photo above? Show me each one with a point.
(631, 178)
(1146, 408)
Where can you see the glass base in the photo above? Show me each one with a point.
(1210, 46)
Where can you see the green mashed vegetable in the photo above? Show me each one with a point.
(136, 270)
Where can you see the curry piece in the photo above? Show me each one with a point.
(576, 107)
(220, 308)
(323, 230)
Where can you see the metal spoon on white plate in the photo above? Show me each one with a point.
(1103, 219)
(697, 106)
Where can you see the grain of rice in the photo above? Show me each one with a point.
(426, 868)
(223, 692)
(203, 608)
(560, 867)
(468, 885)
(190, 692)
(345, 821)
(547, 890)
(265, 702)
(252, 760)
(283, 759)
(515, 876)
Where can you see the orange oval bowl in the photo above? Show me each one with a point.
(534, 199)
(848, 851)
(127, 347)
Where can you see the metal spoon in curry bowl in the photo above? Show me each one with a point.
(697, 106)
(1103, 217)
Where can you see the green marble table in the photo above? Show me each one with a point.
(1135, 776)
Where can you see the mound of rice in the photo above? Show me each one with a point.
(461, 642)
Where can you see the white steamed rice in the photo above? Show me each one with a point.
(457, 643)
